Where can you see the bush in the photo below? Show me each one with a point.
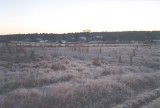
(96, 62)
(58, 66)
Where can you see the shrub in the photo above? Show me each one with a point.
(96, 62)
(58, 66)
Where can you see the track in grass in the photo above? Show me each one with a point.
(140, 100)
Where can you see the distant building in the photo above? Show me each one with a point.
(62, 41)
(41, 40)
(82, 39)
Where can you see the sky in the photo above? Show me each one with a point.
(63, 16)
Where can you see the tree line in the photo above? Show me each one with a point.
(127, 36)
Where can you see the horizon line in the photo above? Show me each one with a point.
(80, 32)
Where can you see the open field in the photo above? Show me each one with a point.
(80, 76)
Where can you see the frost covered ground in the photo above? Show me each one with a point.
(104, 76)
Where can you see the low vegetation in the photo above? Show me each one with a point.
(120, 76)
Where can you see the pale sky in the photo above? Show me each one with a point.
(63, 16)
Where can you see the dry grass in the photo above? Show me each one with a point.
(16, 54)
(63, 81)
(98, 93)
(140, 100)
(153, 104)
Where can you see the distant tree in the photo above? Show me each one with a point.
(87, 33)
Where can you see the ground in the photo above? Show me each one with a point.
(80, 76)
